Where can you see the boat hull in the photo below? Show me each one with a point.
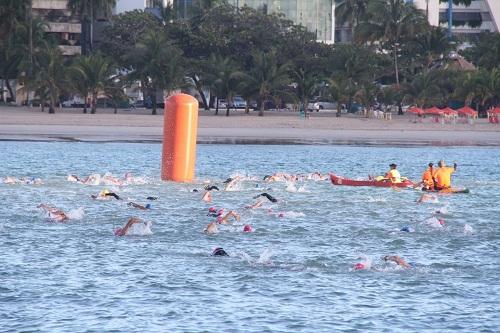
(336, 180)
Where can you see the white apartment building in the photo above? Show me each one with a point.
(480, 16)
(62, 24)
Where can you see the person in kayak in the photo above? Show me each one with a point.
(393, 174)
(428, 178)
(442, 176)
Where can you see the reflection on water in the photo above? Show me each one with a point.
(294, 272)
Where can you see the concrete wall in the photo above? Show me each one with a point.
(494, 6)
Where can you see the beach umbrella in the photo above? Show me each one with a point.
(467, 111)
(416, 110)
(449, 111)
(495, 110)
(434, 111)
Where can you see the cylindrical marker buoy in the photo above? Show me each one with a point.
(180, 126)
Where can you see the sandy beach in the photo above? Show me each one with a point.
(29, 124)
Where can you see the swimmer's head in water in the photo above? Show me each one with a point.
(148, 206)
(152, 198)
(266, 177)
(227, 180)
(406, 229)
(212, 210)
(219, 251)
(247, 228)
(195, 190)
(359, 266)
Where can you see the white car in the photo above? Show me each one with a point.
(322, 105)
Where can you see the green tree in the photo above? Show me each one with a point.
(51, 74)
(391, 22)
(224, 75)
(485, 52)
(157, 64)
(481, 87)
(423, 90)
(266, 77)
(351, 11)
(93, 72)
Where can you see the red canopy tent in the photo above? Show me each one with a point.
(416, 110)
(434, 111)
(495, 110)
(467, 111)
(449, 111)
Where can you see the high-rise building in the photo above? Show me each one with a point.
(318, 16)
(65, 27)
(480, 16)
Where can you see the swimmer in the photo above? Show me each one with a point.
(232, 183)
(268, 196)
(55, 214)
(211, 228)
(398, 260)
(73, 178)
(105, 194)
(225, 219)
(219, 252)
(210, 188)
(247, 228)
(427, 198)
(10, 180)
(141, 207)
(123, 231)
(207, 197)
(152, 198)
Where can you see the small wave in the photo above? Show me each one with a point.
(468, 230)
(140, 229)
(376, 199)
(290, 214)
(434, 222)
(76, 214)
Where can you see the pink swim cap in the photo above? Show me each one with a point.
(441, 221)
(118, 231)
(247, 228)
(359, 266)
(212, 210)
(219, 219)
(281, 215)
(221, 211)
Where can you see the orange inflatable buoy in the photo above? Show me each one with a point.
(180, 126)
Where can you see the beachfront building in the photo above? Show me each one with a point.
(468, 21)
(145, 5)
(62, 24)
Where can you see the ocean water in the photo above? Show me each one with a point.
(291, 274)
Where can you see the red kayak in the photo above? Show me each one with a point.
(336, 180)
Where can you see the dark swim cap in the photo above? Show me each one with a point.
(219, 251)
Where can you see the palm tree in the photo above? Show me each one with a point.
(352, 11)
(391, 22)
(93, 72)
(51, 74)
(157, 64)
(423, 90)
(267, 78)
(307, 82)
(482, 86)
(223, 76)
(88, 10)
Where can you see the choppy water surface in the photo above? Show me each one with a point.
(291, 274)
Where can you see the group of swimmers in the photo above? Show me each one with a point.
(22, 180)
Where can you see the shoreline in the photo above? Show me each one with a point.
(275, 128)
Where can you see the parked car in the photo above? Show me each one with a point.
(322, 105)
(239, 102)
(222, 103)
